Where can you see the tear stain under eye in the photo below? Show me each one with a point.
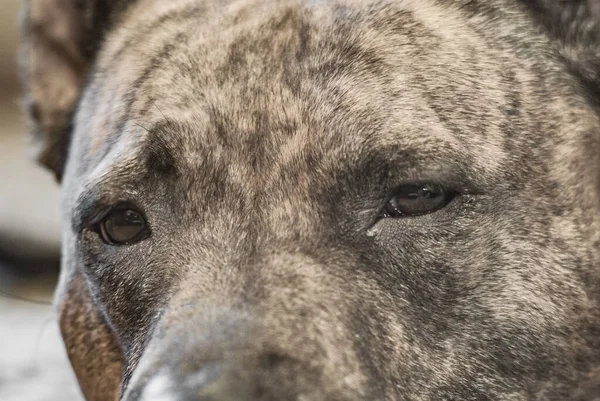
(373, 231)
(370, 226)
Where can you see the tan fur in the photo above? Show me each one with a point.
(261, 140)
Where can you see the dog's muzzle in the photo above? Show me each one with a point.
(264, 377)
(198, 386)
(225, 357)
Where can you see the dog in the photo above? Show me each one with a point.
(323, 200)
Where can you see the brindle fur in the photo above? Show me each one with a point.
(261, 138)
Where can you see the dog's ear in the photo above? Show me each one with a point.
(575, 26)
(60, 40)
(91, 345)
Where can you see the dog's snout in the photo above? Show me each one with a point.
(203, 349)
(160, 388)
(168, 386)
(238, 379)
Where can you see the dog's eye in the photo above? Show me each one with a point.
(123, 227)
(416, 200)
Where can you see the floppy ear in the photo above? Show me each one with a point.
(575, 26)
(60, 40)
(91, 345)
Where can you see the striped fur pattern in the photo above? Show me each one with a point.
(261, 138)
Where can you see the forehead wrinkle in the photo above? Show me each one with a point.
(122, 162)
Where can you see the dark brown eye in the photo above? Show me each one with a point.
(123, 227)
(416, 200)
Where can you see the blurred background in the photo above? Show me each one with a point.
(33, 364)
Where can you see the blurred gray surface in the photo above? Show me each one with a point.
(33, 364)
(29, 199)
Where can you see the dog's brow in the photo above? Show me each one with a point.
(157, 152)
(85, 208)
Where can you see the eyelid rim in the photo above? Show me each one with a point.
(434, 186)
(460, 187)
(121, 205)
(393, 192)
(142, 235)
(90, 212)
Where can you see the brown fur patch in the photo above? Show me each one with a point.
(91, 345)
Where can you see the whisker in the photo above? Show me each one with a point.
(23, 299)
(155, 105)
(40, 335)
(141, 126)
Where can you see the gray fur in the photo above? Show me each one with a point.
(262, 138)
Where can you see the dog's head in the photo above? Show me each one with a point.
(324, 200)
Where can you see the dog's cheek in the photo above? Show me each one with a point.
(92, 348)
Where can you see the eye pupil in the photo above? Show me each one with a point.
(416, 200)
(123, 227)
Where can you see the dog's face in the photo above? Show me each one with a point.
(305, 200)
